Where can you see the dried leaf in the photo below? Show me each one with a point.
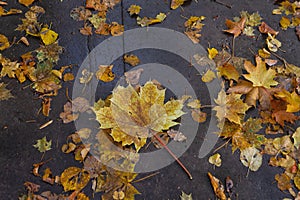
(217, 186)
(133, 76)
(43, 145)
(215, 160)
(283, 181)
(265, 28)
(212, 53)
(208, 76)
(134, 9)
(176, 135)
(68, 77)
(228, 71)
(105, 73)
(272, 43)
(251, 158)
(293, 100)
(116, 29)
(74, 178)
(46, 106)
(198, 115)
(285, 22)
(4, 43)
(235, 28)
(195, 104)
(176, 3)
(86, 30)
(4, 93)
(131, 59)
(145, 21)
(26, 2)
(185, 196)
(48, 36)
(296, 137)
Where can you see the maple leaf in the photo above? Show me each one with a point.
(133, 114)
(74, 178)
(131, 59)
(228, 71)
(4, 93)
(185, 196)
(4, 43)
(134, 9)
(43, 145)
(235, 28)
(259, 87)
(105, 73)
(293, 100)
(251, 158)
(230, 107)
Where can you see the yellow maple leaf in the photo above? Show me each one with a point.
(105, 73)
(48, 36)
(134, 9)
(74, 178)
(4, 43)
(293, 100)
(230, 107)
(212, 52)
(133, 115)
(259, 75)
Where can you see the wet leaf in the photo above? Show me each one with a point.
(26, 2)
(131, 59)
(176, 135)
(134, 9)
(283, 144)
(217, 186)
(133, 114)
(4, 93)
(176, 3)
(235, 28)
(208, 76)
(116, 29)
(265, 28)
(283, 181)
(296, 137)
(43, 145)
(133, 77)
(48, 36)
(230, 106)
(251, 158)
(74, 178)
(4, 43)
(105, 73)
(215, 160)
(185, 196)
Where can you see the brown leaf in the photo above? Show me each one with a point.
(298, 32)
(198, 115)
(235, 28)
(86, 30)
(193, 35)
(217, 186)
(4, 43)
(46, 106)
(282, 116)
(133, 76)
(32, 187)
(283, 181)
(26, 2)
(265, 28)
(4, 93)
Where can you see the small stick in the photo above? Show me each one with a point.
(46, 124)
(146, 177)
(223, 4)
(174, 156)
(220, 147)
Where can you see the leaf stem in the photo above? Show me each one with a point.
(146, 177)
(174, 156)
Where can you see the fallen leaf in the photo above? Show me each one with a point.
(198, 115)
(132, 115)
(272, 43)
(230, 106)
(32, 187)
(26, 2)
(293, 100)
(131, 59)
(185, 196)
(176, 135)
(105, 73)
(133, 77)
(25, 41)
(208, 76)
(4, 43)
(43, 145)
(212, 53)
(176, 3)
(215, 160)
(296, 137)
(86, 76)
(67, 115)
(193, 35)
(4, 93)
(80, 14)
(229, 185)
(283, 181)
(228, 71)
(46, 106)
(74, 178)
(283, 144)
(86, 30)
(195, 104)
(285, 22)
(134, 9)
(48, 36)
(217, 186)
(265, 28)
(47, 177)
(116, 29)
(68, 77)
(251, 158)
(235, 28)
(145, 21)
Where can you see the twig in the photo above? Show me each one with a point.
(223, 4)
(220, 147)
(146, 177)
(174, 156)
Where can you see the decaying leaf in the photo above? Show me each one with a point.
(285, 22)
(133, 77)
(296, 137)
(145, 21)
(43, 145)
(292, 99)
(176, 3)
(265, 28)
(217, 186)
(251, 158)
(208, 76)
(4, 43)
(235, 28)
(105, 73)
(74, 178)
(195, 104)
(283, 181)
(215, 160)
(185, 196)
(230, 107)
(272, 43)
(26, 2)
(131, 59)
(193, 28)
(4, 93)
(134, 9)
(176, 135)
(198, 115)
(133, 114)
(228, 71)
(46, 106)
